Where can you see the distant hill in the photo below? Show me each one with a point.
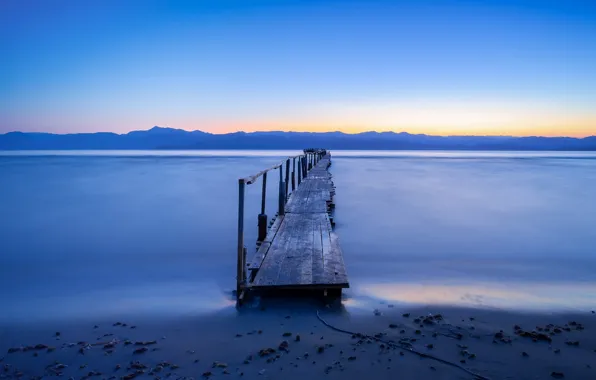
(169, 138)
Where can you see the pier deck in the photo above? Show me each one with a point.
(301, 250)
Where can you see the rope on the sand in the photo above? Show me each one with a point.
(403, 346)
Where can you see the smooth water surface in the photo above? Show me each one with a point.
(127, 232)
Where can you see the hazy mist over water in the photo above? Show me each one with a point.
(99, 232)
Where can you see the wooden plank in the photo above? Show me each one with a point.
(317, 262)
(308, 202)
(266, 244)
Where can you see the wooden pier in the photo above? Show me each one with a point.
(299, 250)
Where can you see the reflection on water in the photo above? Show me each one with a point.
(523, 295)
(155, 232)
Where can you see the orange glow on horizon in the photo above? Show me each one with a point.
(456, 118)
(548, 131)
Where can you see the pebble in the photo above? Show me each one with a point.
(525, 354)
(406, 315)
(140, 350)
(392, 326)
(262, 372)
(557, 375)
(287, 334)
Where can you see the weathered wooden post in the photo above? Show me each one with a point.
(309, 161)
(299, 170)
(287, 177)
(304, 172)
(262, 218)
(293, 174)
(241, 258)
(282, 198)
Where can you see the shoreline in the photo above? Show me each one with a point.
(260, 341)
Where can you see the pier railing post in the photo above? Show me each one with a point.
(241, 257)
(304, 172)
(293, 174)
(299, 170)
(281, 199)
(262, 218)
(287, 177)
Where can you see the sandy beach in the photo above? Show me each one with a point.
(287, 340)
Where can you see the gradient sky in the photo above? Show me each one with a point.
(496, 67)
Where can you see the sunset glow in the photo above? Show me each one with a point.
(434, 67)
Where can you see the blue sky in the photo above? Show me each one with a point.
(442, 67)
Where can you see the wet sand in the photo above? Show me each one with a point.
(273, 340)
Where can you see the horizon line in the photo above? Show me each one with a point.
(299, 131)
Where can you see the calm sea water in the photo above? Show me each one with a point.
(94, 233)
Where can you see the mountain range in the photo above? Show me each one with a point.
(170, 138)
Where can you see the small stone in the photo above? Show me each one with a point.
(140, 350)
(207, 374)
(430, 346)
(238, 335)
(320, 349)
(525, 354)
(433, 368)
(401, 353)
(226, 372)
(351, 358)
(406, 315)
(283, 346)
(557, 350)
(57, 333)
(219, 365)
(297, 338)
(262, 372)
(557, 375)
(287, 334)
(392, 326)
(417, 332)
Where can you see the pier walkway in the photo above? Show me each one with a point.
(299, 250)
